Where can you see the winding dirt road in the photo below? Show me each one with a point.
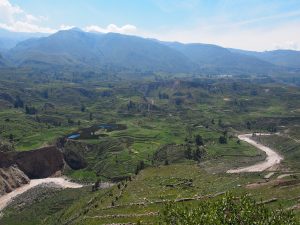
(273, 158)
(62, 182)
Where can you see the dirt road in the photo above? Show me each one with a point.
(62, 182)
(273, 158)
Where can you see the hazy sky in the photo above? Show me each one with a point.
(246, 24)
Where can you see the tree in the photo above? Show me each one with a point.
(70, 121)
(30, 110)
(222, 140)
(45, 94)
(163, 96)
(188, 152)
(199, 140)
(140, 166)
(178, 101)
(18, 102)
(189, 131)
(220, 123)
(248, 124)
(11, 137)
(96, 185)
(197, 154)
(253, 92)
(82, 109)
(130, 105)
(91, 116)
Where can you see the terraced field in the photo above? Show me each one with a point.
(178, 139)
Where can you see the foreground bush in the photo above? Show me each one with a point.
(228, 210)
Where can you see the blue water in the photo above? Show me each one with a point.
(106, 126)
(74, 136)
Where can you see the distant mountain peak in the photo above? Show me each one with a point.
(76, 29)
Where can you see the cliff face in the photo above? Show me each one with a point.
(74, 153)
(11, 178)
(17, 168)
(40, 163)
(35, 164)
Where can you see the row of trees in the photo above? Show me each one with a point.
(19, 103)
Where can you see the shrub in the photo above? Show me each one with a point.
(228, 210)
(222, 140)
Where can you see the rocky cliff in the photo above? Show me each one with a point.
(74, 154)
(40, 163)
(11, 178)
(16, 168)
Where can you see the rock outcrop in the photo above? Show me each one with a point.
(11, 178)
(17, 168)
(40, 163)
(74, 154)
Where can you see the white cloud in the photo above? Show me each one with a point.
(126, 29)
(65, 27)
(13, 18)
(8, 11)
(20, 26)
(235, 35)
(288, 45)
(30, 18)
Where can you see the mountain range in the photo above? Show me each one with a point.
(117, 52)
(10, 39)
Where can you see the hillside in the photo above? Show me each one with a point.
(108, 51)
(286, 58)
(216, 59)
(9, 39)
(2, 63)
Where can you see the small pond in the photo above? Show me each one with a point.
(74, 136)
(108, 126)
(90, 132)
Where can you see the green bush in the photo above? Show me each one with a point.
(228, 210)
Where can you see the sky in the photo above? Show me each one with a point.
(246, 24)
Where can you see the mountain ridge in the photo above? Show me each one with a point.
(280, 57)
(76, 49)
